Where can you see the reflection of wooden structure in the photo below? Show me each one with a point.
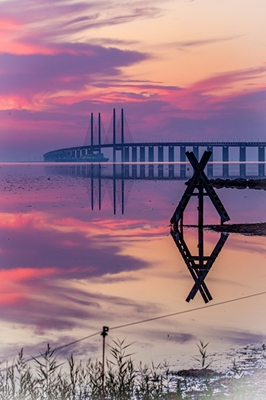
(198, 265)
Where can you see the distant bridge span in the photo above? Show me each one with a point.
(153, 151)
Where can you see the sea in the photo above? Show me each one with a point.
(87, 249)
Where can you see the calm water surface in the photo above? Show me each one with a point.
(78, 252)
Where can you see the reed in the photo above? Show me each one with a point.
(45, 378)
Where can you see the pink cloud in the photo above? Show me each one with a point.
(22, 274)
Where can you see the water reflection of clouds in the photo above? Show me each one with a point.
(69, 270)
(48, 304)
(246, 243)
(35, 241)
(241, 337)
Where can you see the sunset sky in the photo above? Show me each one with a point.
(181, 70)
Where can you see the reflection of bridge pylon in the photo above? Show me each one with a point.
(199, 265)
(97, 186)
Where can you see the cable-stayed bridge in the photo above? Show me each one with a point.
(118, 179)
(124, 149)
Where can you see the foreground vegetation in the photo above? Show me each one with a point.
(47, 378)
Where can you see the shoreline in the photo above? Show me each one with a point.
(248, 229)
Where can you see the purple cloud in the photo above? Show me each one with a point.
(34, 73)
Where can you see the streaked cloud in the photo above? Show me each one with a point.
(66, 18)
(190, 44)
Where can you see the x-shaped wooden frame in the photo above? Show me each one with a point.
(200, 182)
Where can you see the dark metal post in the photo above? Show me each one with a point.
(104, 334)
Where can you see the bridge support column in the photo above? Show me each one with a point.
(210, 166)
(242, 153)
(142, 153)
(261, 153)
(196, 151)
(160, 153)
(225, 153)
(134, 154)
(242, 158)
(225, 159)
(151, 171)
(171, 153)
(126, 154)
(151, 154)
(114, 154)
(171, 172)
(183, 153)
(261, 157)
(160, 171)
(134, 171)
(126, 171)
(182, 159)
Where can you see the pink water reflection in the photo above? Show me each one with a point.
(67, 270)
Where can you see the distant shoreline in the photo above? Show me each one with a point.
(239, 183)
(252, 229)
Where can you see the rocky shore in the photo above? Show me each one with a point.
(238, 374)
(252, 229)
(239, 183)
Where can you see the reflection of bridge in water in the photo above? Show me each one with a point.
(119, 178)
(124, 149)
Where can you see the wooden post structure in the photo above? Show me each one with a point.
(198, 265)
